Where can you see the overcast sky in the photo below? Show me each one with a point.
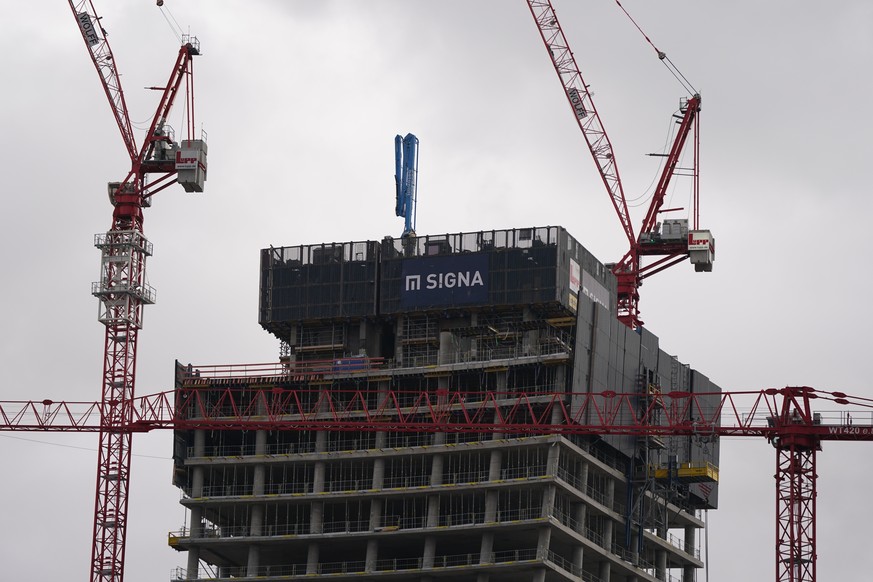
(301, 101)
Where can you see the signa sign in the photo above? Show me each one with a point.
(447, 280)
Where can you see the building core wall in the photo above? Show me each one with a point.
(472, 507)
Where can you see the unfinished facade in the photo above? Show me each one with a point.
(499, 312)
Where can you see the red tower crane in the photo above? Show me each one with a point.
(672, 247)
(272, 397)
(123, 289)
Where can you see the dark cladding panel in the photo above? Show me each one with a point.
(705, 448)
(317, 282)
(543, 267)
(582, 362)
(632, 353)
(621, 383)
(649, 350)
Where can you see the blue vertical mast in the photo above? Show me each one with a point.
(406, 180)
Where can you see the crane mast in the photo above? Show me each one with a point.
(672, 247)
(123, 290)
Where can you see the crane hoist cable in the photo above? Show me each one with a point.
(674, 70)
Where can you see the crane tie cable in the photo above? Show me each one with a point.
(171, 21)
(674, 70)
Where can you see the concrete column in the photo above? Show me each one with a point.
(495, 465)
(447, 348)
(433, 503)
(530, 339)
(316, 515)
(552, 459)
(609, 494)
(381, 436)
(256, 523)
(378, 473)
(605, 571)
(500, 383)
(196, 526)
(486, 548)
(688, 571)
(578, 556)
(375, 512)
(429, 553)
(579, 550)
(607, 534)
(376, 507)
(583, 478)
(491, 496)
(371, 556)
(544, 538)
(548, 501)
(432, 520)
(497, 434)
(661, 564)
(539, 575)
(690, 534)
(316, 512)
(436, 467)
(312, 559)
(254, 560)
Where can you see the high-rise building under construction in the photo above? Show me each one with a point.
(468, 318)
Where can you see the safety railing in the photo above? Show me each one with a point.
(590, 491)
(395, 481)
(524, 472)
(679, 543)
(570, 567)
(358, 566)
(280, 370)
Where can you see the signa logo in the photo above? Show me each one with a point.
(445, 280)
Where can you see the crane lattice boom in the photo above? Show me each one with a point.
(583, 108)
(774, 414)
